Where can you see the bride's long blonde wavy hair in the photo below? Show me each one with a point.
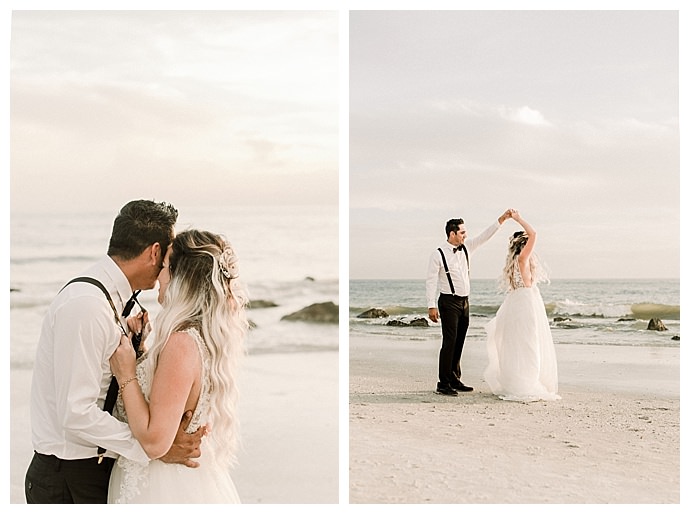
(507, 281)
(204, 294)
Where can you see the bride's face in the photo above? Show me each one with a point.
(164, 277)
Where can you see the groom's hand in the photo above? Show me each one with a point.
(186, 446)
(433, 314)
(505, 216)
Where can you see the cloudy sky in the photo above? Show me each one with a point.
(195, 108)
(570, 117)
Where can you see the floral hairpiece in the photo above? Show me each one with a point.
(228, 263)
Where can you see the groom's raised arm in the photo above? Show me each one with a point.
(476, 242)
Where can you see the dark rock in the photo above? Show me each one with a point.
(326, 312)
(373, 313)
(309, 279)
(676, 338)
(656, 324)
(625, 319)
(261, 304)
(417, 322)
(252, 325)
(567, 325)
(559, 319)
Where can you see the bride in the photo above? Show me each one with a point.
(197, 341)
(522, 359)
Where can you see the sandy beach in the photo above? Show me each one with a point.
(613, 438)
(289, 423)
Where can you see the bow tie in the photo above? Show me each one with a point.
(458, 248)
(130, 304)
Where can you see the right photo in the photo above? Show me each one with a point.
(514, 265)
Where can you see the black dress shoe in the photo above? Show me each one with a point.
(459, 386)
(446, 390)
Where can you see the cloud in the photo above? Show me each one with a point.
(476, 109)
(524, 115)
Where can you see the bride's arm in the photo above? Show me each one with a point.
(155, 424)
(531, 240)
(523, 258)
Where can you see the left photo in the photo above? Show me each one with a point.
(174, 257)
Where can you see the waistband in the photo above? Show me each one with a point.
(58, 462)
(455, 296)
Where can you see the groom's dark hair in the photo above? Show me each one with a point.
(453, 225)
(138, 225)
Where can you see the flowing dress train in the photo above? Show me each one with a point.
(522, 358)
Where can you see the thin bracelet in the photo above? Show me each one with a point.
(125, 383)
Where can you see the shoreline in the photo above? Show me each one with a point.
(614, 437)
(288, 413)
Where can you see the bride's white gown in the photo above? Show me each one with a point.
(522, 358)
(159, 482)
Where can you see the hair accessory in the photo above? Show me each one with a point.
(227, 262)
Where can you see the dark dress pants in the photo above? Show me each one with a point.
(53, 480)
(455, 320)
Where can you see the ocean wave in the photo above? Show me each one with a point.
(641, 311)
(565, 308)
(655, 310)
(391, 310)
(53, 258)
(21, 301)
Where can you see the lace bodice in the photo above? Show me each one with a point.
(517, 281)
(135, 474)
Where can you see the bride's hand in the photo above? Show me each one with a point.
(138, 323)
(123, 362)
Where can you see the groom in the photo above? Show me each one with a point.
(72, 374)
(449, 271)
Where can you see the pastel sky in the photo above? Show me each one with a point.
(571, 117)
(190, 107)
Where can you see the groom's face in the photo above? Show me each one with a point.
(458, 238)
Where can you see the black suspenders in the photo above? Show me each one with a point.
(112, 390)
(445, 266)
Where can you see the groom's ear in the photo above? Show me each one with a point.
(155, 256)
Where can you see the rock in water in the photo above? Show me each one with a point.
(373, 313)
(316, 313)
(261, 304)
(417, 322)
(656, 324)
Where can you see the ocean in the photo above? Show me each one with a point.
(596, 312)
(288, 256)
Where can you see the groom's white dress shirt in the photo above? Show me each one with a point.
(72, 371)
(436, 277)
